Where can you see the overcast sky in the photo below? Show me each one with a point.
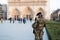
(54, 4)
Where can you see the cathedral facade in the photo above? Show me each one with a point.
(28, 8)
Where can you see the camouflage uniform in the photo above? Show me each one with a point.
(38, 28)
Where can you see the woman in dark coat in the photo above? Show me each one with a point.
(10, 19)
(24, 20)
(30, 19)
(18, 20)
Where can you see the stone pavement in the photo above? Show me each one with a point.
(18, 31)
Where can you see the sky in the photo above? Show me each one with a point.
(54, 4)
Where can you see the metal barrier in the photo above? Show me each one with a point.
(49, 36)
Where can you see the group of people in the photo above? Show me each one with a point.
(20, 20)
(38, 26)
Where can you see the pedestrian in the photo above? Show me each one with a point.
(21, 20)
(30, 19)
(0, 20)
(10, 19)
(38, 26)
(18, 20)
(24, 20)
(13, 20)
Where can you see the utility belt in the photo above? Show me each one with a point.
(39, 29)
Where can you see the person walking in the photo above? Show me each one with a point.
(24, 20)
(30, 19)
(21, 18)
(0, 20)
(38, 26)
(18, 20)
(10, 19)
(13, 19)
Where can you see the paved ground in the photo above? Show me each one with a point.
(18, 31)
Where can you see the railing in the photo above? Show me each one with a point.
(49, 37)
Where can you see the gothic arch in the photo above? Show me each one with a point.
(15, 13)
(40, 10)
(27, 12)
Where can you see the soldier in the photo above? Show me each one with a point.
(38, 27)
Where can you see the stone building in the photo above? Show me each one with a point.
(3, 11)
(28, 8)
(55, 15)
(4, 8)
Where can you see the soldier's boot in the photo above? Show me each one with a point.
(40, 38)
(36, 38)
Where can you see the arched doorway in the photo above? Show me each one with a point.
(41, 11)
(15, 13)
(27, 12)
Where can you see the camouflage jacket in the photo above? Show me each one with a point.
(39, 24)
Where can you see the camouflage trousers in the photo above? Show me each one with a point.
(38, 34)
